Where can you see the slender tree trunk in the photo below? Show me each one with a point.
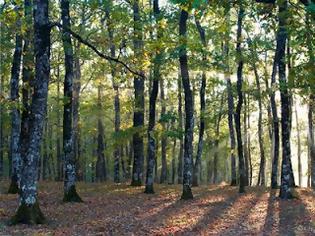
(51, 156)
(58, 139)
(216, 142)
(245, 138)
(70, 193)
(29, 211)
(237, 115)
(227, 75)
(173, 162)
(100, 171)
(285, 188)
(311, 144)
(275, 126)
(151, 140)
(189, 109)
(180, 128)
(151, 156)
(15, 113)
(202, 92)
(163, 177)
(261, 175)
(249, 145)
(112, 48)
(138, 118)
(298, 136)
(76, 112)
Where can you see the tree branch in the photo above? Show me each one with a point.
(99, 53)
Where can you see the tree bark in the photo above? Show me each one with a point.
(29, 211)
(163, 177)
(151, 156)
(285, 188)
(112, 48)
(70, 193)
(261, 175)
(180, 128)
(245, 138)
(227, 76)
(275, 125)
(15, 113)
(311, 142)
(58, 139)
(237, 115)
(189, 108)
(138, 118)
(202, 92)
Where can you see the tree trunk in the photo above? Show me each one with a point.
(76, 112)
(216, 142)
(261, 175)
(29, 211)
(227, 76)
(180, 128)
(100, 171)
(58, 139)
(70, 193)
(237, 115)
(311, 143)
(173, 162)
(275, 126)
(151, 156)
(298, 136)
(138, 118)
(27, 75)
(202, 92)
(163, 177)
(15, 113)
(249, 147)
(189, 108)
(245, 139)
(112, 48)
(285, 188)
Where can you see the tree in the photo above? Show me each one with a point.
(285, 188)
(138, 117)
(202, 92)
(151, 156)
(70, 193)
(227, 75)
(15, 112)
(28, 211)
(237, 115)
(189, 108)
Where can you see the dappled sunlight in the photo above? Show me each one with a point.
(122, 210)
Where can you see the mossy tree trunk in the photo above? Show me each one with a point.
(29, 211)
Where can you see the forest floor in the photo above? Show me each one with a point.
(110, 209)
